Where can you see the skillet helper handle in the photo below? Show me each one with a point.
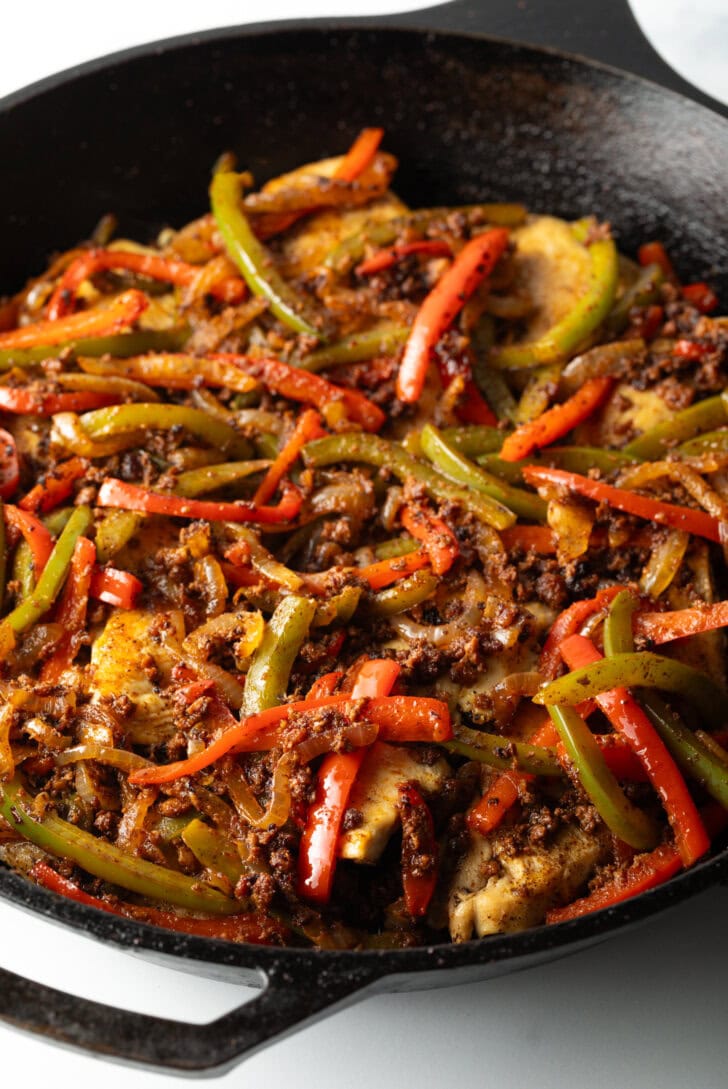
(287, 1001)
(606, 32)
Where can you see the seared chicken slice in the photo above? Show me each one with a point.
(526, 886)
(375, 796)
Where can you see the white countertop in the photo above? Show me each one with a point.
(645, 1010)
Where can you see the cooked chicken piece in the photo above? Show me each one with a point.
(527, 886)
(551, 267)
(375, 795)
(628, 411)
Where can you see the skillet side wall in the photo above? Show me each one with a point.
(469, 118)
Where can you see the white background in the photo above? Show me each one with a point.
(645, 1010)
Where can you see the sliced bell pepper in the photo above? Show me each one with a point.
(107, 422)
(71, 612)
(704, 416)
(628, 718)
(101, 321)
(385, 339)
(385, 572)
(27, 402)
(173, 370)
(56, 486)
(156, 267)
(540, 539)
(119, 588)
(702, 297)
(419, 851)
(317, 851)
(267, 678)
(123, 496)
(384, 259)
(376, 677)
(33, 531)
(654, 253)
(474, 262)
(567, 623)
(307, 428)
(557, 421)
(438, 540)
(682, 623)
(9, 465)
(646, 872)
(653, 510)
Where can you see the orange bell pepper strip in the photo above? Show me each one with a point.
(384, 259)
(566, 624)
(29, 402)
(400, 718)
(71, 611)
(122, 496)
(156, 267)
(308, 428)
(439, 541)
(557, 421)
(101, 321)
(306, 387)
(376, 677)
(35, 534)
(385, 572)
(628, 718)
(173, 370)
(473, 264)
(653, 510)
(56, 486)
(663, 627)
(354, 163)
(646, 872)
(324, 686)
(702, 297)
(654, 253)
(418, 884)
(540, 539)
(245, 927)
(119, 588)
(9, 465)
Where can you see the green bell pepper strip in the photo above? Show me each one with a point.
(577, 459)
(474, 440)
(539, 392)
(114, 530)
(501, 752)
(213, 850)
(693, 757)
(618, 637)
(102, 423)
(210, 478)
(625, 820)
(704, 444)
(23, 571)
(642, 292)
(398, 546)
(351, 249)
(3, 555)
(252, 258)
(645, 670)
(451, 463)
(270, 668)
(598, 362)
(338, 609)
(385, 339)
(590, 311)
(53, 577)
(375, 451)
(411, 591)
(704, 416)
(120, 345)
(103, 860)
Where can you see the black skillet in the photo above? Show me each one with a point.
(470, 118)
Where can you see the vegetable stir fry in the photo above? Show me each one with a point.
(363, 568)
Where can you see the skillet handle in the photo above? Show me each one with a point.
(285, 1003)
(606, 32)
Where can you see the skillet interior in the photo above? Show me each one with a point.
(470, 118)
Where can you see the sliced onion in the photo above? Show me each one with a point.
(115, 758)
(208, 574)
(572, 523)
(279, 806)
(357, 736)
(7, 762)
(242, 796)
(664, 562)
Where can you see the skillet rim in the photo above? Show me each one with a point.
(129, 933)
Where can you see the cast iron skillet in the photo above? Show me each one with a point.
(471, 118)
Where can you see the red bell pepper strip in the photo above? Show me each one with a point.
(419, 851)
(645, 873)
(317, 852)
(308, 388)
(324, 686)
(473, 408)
(9, 465)
(653, 510)
(384, 259)
(702, 297)
(628, 718)
(354, 163)
(56, 486)
(654, 253)
(71, 611)
(308, 428)
(34, 532)
(540, 539)
(385, 572)
(123, 496)
(376, 677)
(24, 401)
(689, 349)
(119, 588)
(246, 927)
(566, 624)
(474, 262)
(400, 718)
(651, 322)
(439, 541)
(99, 322)
(663, 627)
(63, 299)
(557, 421)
